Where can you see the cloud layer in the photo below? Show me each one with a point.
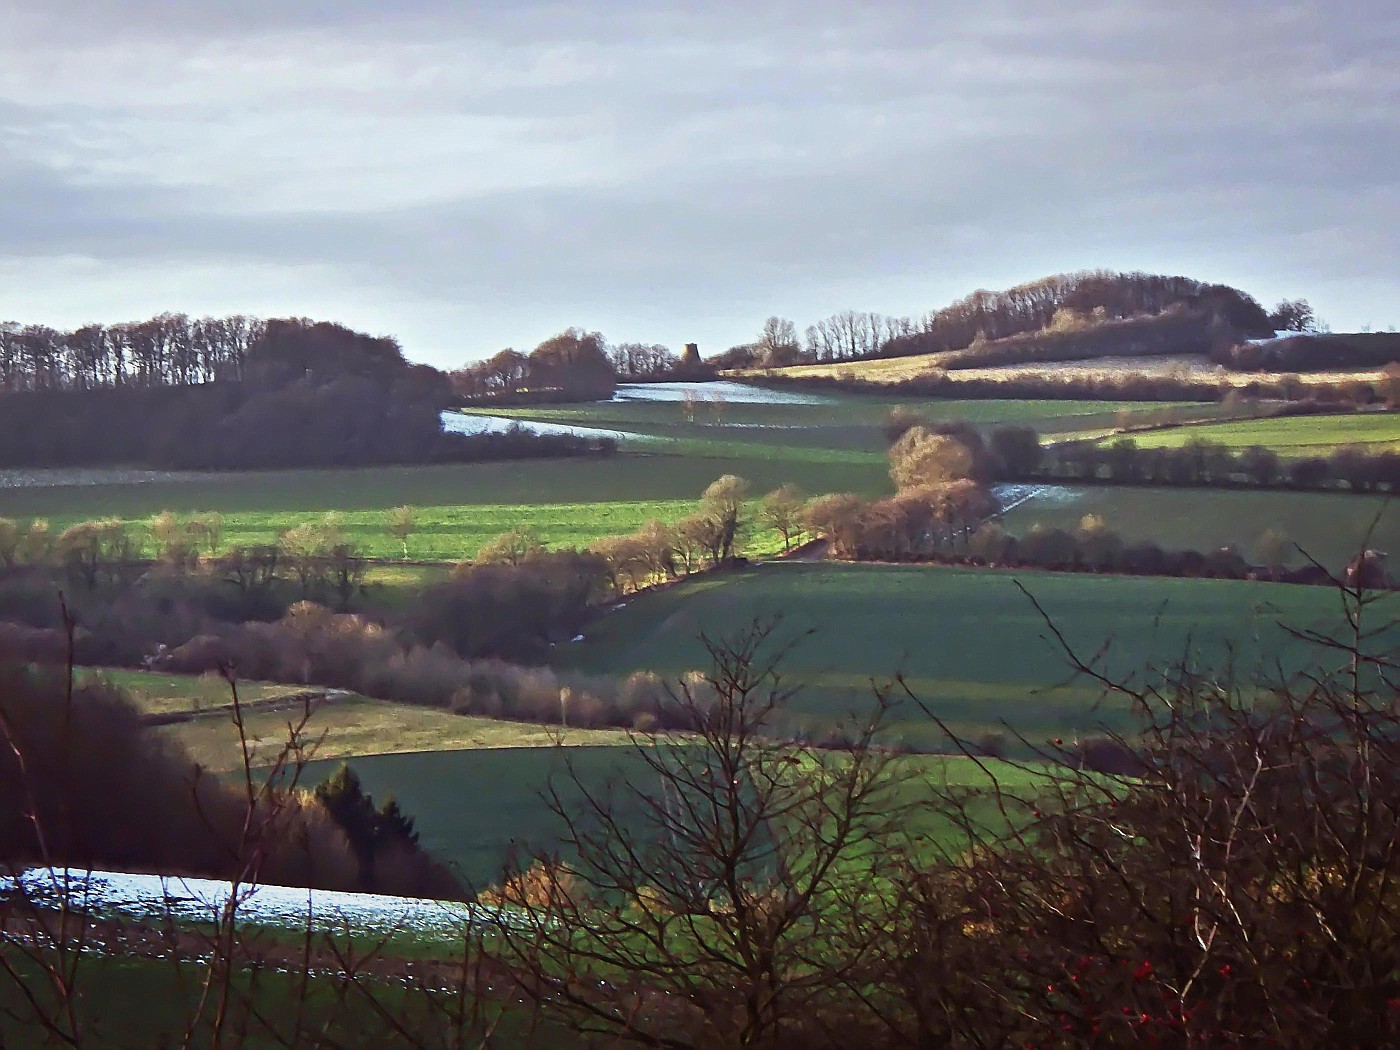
(469, 176)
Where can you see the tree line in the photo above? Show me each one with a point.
(940, 383)
(168, 350)
(1062, 303)
(174, 349)
(943, 510)
(1349, 468)
(1312, 351)
(304, 394)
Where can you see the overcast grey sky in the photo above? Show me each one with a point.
(468, 176)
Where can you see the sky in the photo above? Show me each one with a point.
(469, 176)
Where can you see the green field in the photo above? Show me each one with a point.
(477, 809)
(833, 447)
(1330, 526)
(130, 1003)
(971, 645)
(460, 507)
(842, 421)
(1292, 436)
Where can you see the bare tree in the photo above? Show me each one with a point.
(714, 898)
(777, 343)
(512, 547)
(781, 510)
(1221, 875)
(722, 505)
(401, 523)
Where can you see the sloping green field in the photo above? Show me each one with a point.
(971, 644)
(1293, 436)
(478, 809)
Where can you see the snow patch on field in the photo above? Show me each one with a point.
(473, 424)
(43, 478)
(1012, 496)
(719, 390)
(156, 897)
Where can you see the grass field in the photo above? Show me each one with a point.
(971, 645)
(138, 1002)
(475, 809)
(842, 421)
(1293, 436)
(343, 728)
(836, 446)
(1331, 527)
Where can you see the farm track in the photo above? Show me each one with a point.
(302, 699)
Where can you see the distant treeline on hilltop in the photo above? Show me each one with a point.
(575, 366)
(235, 392)
(1204, 314)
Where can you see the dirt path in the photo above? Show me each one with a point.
(812, 550)
(287, 701)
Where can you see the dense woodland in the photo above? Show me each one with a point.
(236, 394)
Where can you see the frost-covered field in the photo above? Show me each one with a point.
(711, 393)
(732, 393)
(1012, 496)
(156, 898)
(51, 477)
(473, 423)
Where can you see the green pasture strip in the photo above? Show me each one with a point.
(1329, 526)
(1293, 436)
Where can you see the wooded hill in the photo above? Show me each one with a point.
(1063, 316)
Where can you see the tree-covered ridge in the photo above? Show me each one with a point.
(177, 350)
(1064, 302)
